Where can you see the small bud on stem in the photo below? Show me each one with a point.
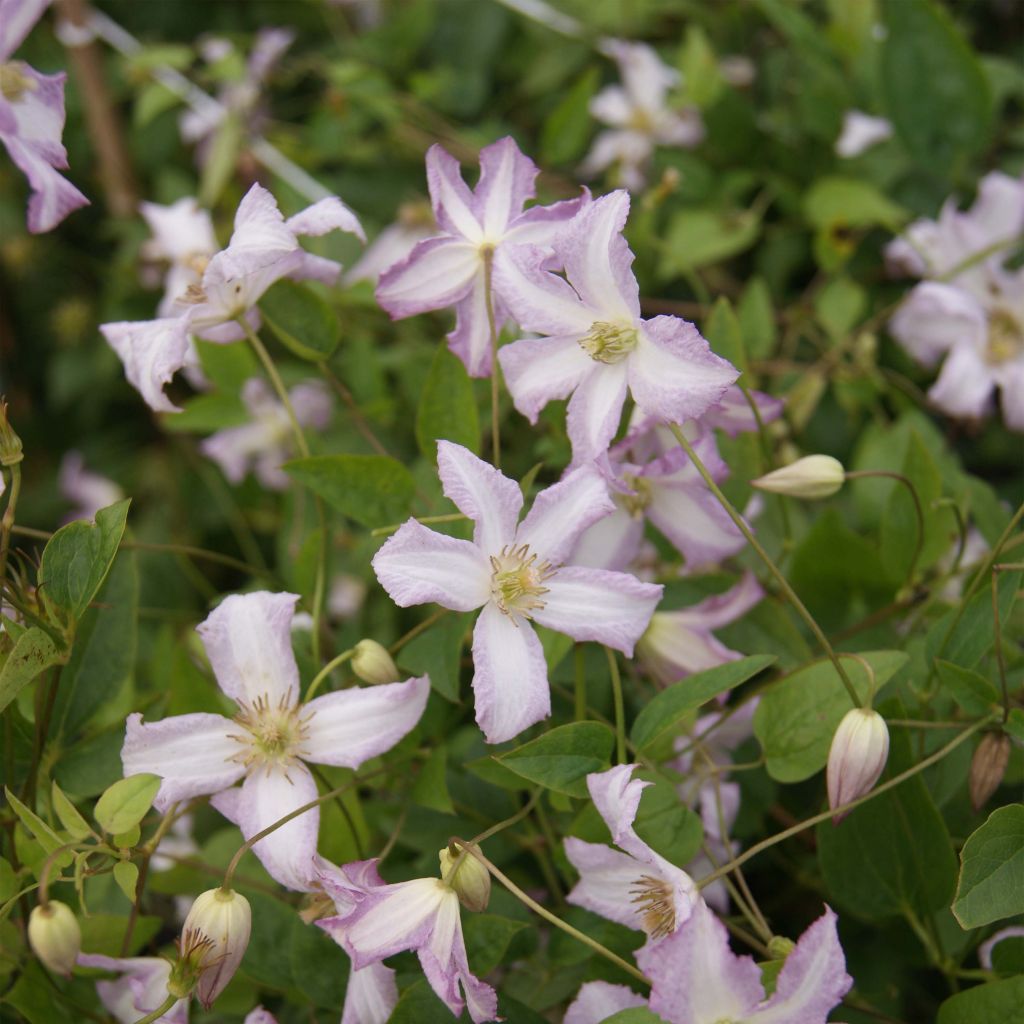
(466, 875)
(372, 663)
(813, 476)
(988, 766)
(54, 936)
(856, 758)
(213, 942)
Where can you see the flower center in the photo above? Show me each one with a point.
(197, 262)
(517, 580)
(14, 83)
(636, 502)
(657, 908)
(641, 121)
(276, 733)
(609, 342)
(1005, 337)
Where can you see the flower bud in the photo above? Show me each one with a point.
(813, 476)
(213, 942)
(857, 756)
(988, 766)
(372, 663)
(54, 936)
(10, 443)
(468, 877)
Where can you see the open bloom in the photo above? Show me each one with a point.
(263, 249)
(141, 988)
(514, 572)
(248, 640)
(32, 121)
(415, 223)
(638, 115)
(451, 268)
(596, 1001)
(597, 346)
(697, 979)
(266, 441)
(376, 920)
(183, 238)
(632, 885)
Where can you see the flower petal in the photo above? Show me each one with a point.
(540, 225)
(611, 608)
(456, 209)
(616, 795)
(436, 273)
(141, 988)
(596, 1001)
(260, 234)
(328, 214)
(693, 519)
(248, 639)
(561, 512)
(371, 995)
(152, 352)
(417, 566)
(539, 370)
(733, 414)
(611, 543)
(471, 338)
(510, 678)
(935, 318)
(350, 726)
(481, 492)
(193, 754)
(506, 183)
(19, 18)
(965, 385)
(607, 882)
(53, 196)
(595, 410)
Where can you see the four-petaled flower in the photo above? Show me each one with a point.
(248, 640)
(140, 990)
(515, 572)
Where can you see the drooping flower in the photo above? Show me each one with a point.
(860, 132)
(596, 1001)
(263, 249)
(266, 441)
(638, 115)
(450, 269)
(632, 885)
(376, 920)
(87, 491)
(597, 346)
(515, 573)
(697, 979)
(32, 121)
(140, 990)
(248, 640)
(415, 223)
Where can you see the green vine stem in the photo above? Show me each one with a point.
(863, 474)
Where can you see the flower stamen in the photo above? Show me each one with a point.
(14, 83)
(609, 342)
(517, 580)
(276, 734)
(1005, 337)
(657, 908)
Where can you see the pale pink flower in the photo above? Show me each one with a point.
(450, 269)
(597, 346)
(860, 132)
(32, 120)
(514, 571)
(596, 1001)
(140, 990)
(265, 746)
(414, 224)
(88, 492)
(184, 239)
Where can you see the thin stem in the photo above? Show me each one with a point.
(896, 780)
(166, 1005)
(998, 631)
(861, 474)
(345, 813)
(620, 714)
(7, 523)
(416, 630)
(551, 918)
(327, 670)
(358, 419)
(783, 583)
(448, 517)
(579, 684)
(488, 254)
(509, 821)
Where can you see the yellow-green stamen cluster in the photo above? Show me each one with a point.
(276, 734)
(517, 580)
(609, 342)
(1005, 337)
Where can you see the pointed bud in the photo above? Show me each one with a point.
(10, 443)
(779, 947)
(467, 876)
(813, 476)
(372, 663)
(213, 942)
(988, 766)
(857, 756)
(54, 936)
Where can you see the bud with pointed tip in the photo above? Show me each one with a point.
(213, 942)
(10, 443)
(54, 936)
(856, 758)
(988, 766)
(467, 876)
(372, 663)
(813, 476)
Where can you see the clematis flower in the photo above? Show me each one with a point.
(632, 885)
(679, 643)
(515, 573)
(377, 920)
(860, 132)
(638, 115)
(598, 347)
(87, 491)
(415, 223)
(450, 269)
(32, 121)
(697, 979)
(266, 441)
(140, 990)
(183, 238)
(596, 1001)
(265, 746)
(263, 249)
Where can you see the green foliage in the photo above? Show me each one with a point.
(125, 803)
(1001, 1001)
(562, 758)
(991, 885)
(447, 409)
(33, 653)
(373, 490)
(301, 320)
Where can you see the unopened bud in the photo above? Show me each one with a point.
(779, 947)
(10, 443)
(467, 876)
(213, 942)
(988, 766)
(372, 663)
(856, 758)
(813, 476)
(54, 936)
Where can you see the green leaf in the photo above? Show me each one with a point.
(127, 840)
(43, 834)
(73, 822)
(419, 1005)
(893, 852)
(126, 874)
(998, 1002)
(974, 634)
(301, 320)
(637, 1015)
(438, 653)
(667, 825)
(974, 693)
(757, 319)
(219, 164)
(562, 758)
(840, 305)
(725, 335)
(697, 237)
(662, 714)
(126, 802)
(487, 939)
(206, 413)
(374, 490)
(565, 130)
(319, 966)
(104, 933)
(78, 557)
(431, 786)
(8, 880)
(850, 202)
(991, 884)
(702, 80)
(33, 653)
(447, 406)
(936, 92)
(797, 717)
